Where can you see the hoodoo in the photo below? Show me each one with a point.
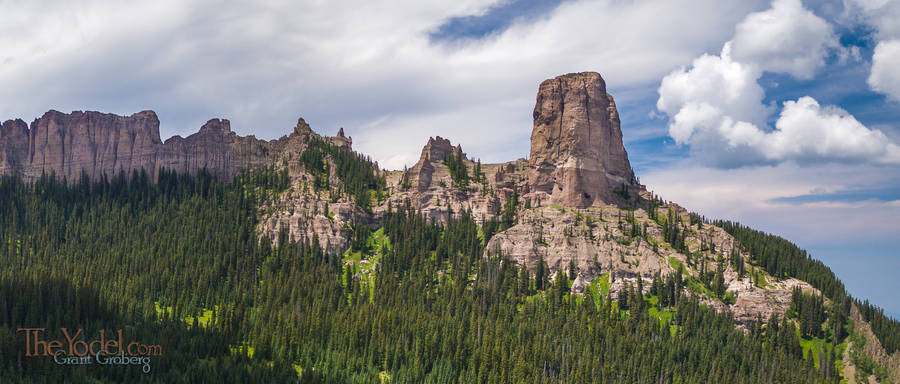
(577, 157)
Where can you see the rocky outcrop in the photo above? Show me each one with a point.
(66, 144)
(428, 186)
(216, 148)
(435, 151)
(307, 217)
(100, 143)
(577, 156)
(595, 245)
(872, 346)
(13, 147)
(342, 141)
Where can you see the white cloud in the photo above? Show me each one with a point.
(750, 195)
(885, 77)
(716, 106)
(881, 14)
(806, 131)
(786, 38)
(717, 81)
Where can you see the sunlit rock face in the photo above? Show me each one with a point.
(577, 157)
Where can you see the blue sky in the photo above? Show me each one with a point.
(780, 114)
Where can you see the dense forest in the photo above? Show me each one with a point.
(178, 263)
(359, 177)
(784, 259)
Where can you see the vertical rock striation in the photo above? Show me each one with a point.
(577, 157)
(100, 143)
(66, 144)
(13, 147)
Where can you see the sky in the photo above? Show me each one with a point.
(783, 115)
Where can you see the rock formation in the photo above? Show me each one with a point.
(342, 141)
(13, 147)
(429, 187)
(216, 148)
(66, 144)
(577, 156)
(101, 143)
(436, 150)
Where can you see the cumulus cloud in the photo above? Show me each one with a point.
(717, 81)
(882, 16)
(786, 38)
(716, 106)
(808, 132)
(885, 77)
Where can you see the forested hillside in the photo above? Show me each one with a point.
(177, 263)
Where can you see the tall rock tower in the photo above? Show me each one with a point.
(577, 157)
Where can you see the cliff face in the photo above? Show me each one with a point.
(216, 148)
(92, 141)
(577, 157)
(13, 147)
(101, 143)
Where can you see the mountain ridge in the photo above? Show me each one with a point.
(574, 207)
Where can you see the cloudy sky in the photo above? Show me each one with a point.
(784, 115)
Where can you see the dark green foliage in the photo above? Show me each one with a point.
(359, 235)
(541, 274)
(718, 283)
(99, 255)
(886, 328)
(405, 183)
(623, 299)
(781, 258)
(865, 365)
(510, 210)
(359, 176)
(673, 232)
(315, 163)
(623, 192)
(634, 228)
(477, 174)
(737, 262)
(490, 227)
(809, 310)
(266, 179)
(437, 310)
(668, 290)
(652, 208)
(189, 354)
(481, 329)
(459, 173)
